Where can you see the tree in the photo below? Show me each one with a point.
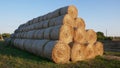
(6, 35)
(100, 36)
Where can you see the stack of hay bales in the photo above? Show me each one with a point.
(59, 35)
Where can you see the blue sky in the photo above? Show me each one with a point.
(98, 14)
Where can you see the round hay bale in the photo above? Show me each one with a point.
(35, 34)
(30, 22)
(16, 43)
(28, 44)
(39, 34)
(31, 27)
(38, 25)
(21, 42)
(17, 30)
(79, 35)
(63, 33)
(25, 35)
(31, 34)
(44, 17)
(40, 18)
(47, 32)
(22, 25)
(79, 23)
(57, 51)
(20, 35)
(77, 52)
(71, 10)
(91, 36)
(51, 22)
(54, 34)
(45, 24)
(98, 48)
(89, 52)
(37, 47)
(53, 14)
(64, 19)
(35, 20)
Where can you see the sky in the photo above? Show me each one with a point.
(100, 15)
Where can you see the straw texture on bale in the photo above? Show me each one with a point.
(53, 14)
(91, 36)
(57, 51)
(35, 20)
(39, 25)
(77, 52)
(47, 33)
(89, 52)
(79, 23)
(64, 19)
(62, 32)
(79, 35)
(98, 48)
(38, 46)
(39, 34)
(16, 43)
(30, 34)
(71, 10)
(28, 45)
(45, 24)
(19, 43)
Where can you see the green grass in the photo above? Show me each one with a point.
(11, 57)
(112, 53)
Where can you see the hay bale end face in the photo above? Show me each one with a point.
(98, 48)
(77, 52)
(57, 51)
(91, 36)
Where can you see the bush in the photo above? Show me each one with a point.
(6, 35)
(100, 36)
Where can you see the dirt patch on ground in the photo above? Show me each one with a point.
(111, 57)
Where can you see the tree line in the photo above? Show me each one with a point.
(4, 35)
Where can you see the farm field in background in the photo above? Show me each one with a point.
(11, 57)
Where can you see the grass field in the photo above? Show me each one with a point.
(11, 57)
